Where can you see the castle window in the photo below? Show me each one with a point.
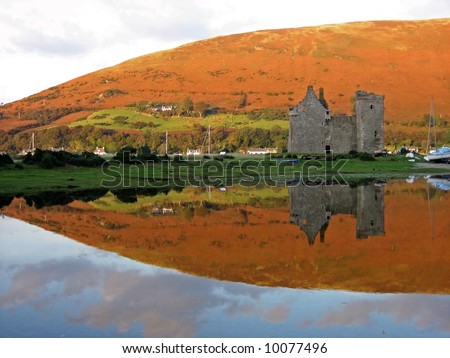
(371, 106)
(376, 134)
(328, 113)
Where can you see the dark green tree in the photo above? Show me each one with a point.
(201, 108)
(187, 106)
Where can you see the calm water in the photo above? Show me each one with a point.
(326, 261)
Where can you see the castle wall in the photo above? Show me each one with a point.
(311, 132)
(312, 129)
(369, 122)
(307, 125)
(341, 134)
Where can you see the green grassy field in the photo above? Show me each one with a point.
(106, 119)
(247, 170)
(33, 179)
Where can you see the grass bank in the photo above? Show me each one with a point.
(248, 171)
(128, 118)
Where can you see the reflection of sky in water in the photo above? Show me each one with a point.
(53, 286)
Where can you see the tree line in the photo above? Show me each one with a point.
(87, 138)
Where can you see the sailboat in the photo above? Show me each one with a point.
(440, 154)
(31, 148)
(207, 137)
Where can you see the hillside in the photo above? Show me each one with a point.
(407, 61)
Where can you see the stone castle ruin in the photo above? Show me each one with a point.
(312, 128)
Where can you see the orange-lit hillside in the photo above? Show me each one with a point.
(407, 61)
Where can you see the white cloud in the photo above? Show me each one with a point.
(66, 39)
(421, 311)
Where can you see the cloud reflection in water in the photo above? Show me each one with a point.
(80, 286)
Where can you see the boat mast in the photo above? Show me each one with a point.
(209, 139)
(167, 141)
(434, 122)
(32, 147)
(207, 136)
(431, 122)
(431, 212)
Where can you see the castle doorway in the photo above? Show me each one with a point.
(327, 149)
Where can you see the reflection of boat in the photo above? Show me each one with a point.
(441, 183)
(441, 154)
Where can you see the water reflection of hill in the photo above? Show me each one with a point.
(216, 235)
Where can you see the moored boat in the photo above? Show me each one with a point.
(439, 155)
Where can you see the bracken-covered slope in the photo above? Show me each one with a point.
(407, 61)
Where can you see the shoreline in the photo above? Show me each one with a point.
(70, 181)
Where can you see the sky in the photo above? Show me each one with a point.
(46, 42)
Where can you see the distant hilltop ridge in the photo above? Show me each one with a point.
(407, 61)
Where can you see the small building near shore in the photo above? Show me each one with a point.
(59, 149)
(193, 152)
(253, 151)
(100, 151)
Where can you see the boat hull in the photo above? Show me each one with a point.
(440, 155)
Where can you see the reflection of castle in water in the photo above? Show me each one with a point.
(311, 208)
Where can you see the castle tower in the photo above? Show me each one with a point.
(370, 211)
(369, 109)
(308, 124)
